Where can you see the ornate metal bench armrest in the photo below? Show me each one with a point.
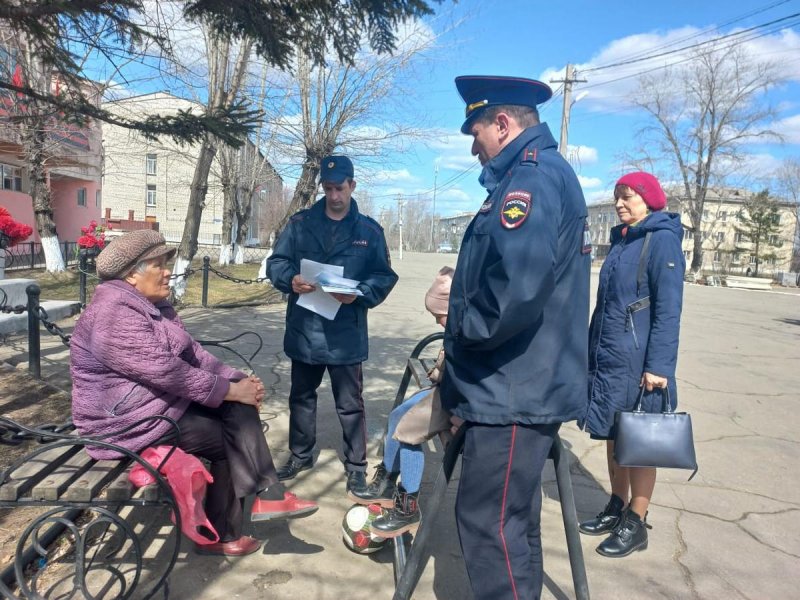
(225, 345)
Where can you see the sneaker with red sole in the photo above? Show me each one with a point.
(290, 506)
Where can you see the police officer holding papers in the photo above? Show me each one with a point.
(332, 232)
(516, 335)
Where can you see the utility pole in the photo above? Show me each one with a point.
(568, 80)
(433, 213)
(400, 225)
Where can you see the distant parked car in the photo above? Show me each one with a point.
(445, 247)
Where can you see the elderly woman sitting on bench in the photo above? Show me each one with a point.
(131, 358)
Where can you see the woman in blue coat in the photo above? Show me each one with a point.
(633, 343)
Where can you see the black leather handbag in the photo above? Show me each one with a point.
(662, 439)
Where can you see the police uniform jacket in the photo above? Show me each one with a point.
(635, 330)
(516, 334)
(361, 249)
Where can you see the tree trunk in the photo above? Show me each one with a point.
(697, 250)
(40, 196)
(194, 214)
(228, 211)
(304, 193)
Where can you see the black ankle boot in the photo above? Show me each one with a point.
(405, 516)
(380, 491)
(629, 536)
(604, 522)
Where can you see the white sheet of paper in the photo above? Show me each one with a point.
(340, 285)
(319, 301)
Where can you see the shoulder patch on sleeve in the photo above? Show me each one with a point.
(516, 207)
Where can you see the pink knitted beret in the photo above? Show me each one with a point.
(647, 187)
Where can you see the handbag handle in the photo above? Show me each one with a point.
(666, 402)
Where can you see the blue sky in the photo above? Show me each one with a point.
(536, 39)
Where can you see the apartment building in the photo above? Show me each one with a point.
(725, 250)
(72, 156)
(153, 178)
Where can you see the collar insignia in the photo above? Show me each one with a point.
(486, 206)
(516, 208)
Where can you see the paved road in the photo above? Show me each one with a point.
(730, 533)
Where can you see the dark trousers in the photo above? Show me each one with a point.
(347, 386)
(498, 509)
(231, 438)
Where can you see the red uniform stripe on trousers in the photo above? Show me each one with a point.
(503, 510)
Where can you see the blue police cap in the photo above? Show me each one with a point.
(480, 91)
(335, 169)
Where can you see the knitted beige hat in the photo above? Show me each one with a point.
(124, 252)
(438, 295)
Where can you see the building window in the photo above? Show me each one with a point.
(752, 259)
(722, 215)
(687, 255)
(12, 178)
(216, 239)
(720, 236)
(705, 215)
(739, 238)
(151, 194)
(81, 196)
(736, 258)
(151, 164)
(688, 234)
(773, 240)
(98, 198)
(717, 256)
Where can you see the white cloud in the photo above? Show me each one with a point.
(397, 176)
(608, 89)
(582, 155)
(789, 128)
(589, 182)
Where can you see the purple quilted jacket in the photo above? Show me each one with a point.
(131, 359)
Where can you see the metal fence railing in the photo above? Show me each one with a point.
(29, 255)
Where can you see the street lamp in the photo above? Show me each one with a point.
(433, 213)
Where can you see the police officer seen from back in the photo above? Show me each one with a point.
(516, 335)
(332, 231)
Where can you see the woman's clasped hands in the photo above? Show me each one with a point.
(247, 391)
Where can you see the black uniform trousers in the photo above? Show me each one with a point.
(347, 386)
(498, 508)
(231, 439)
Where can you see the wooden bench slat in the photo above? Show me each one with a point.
(121, 490)
(33, 471)
(54, 484)
(91, 483)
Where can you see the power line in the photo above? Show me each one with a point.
(703, 32)
(681, 61)
(692, 46)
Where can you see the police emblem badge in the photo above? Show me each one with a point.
(515, 209)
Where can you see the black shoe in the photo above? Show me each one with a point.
(404, 516)
(292, 468)
(356, 482)
(629, 536)
(380, 491)
(604, 522)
